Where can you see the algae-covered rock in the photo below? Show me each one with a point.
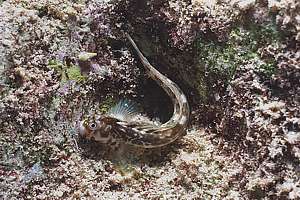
(237, 62)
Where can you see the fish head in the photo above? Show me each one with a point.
(95, 127)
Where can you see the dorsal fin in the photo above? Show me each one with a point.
(125, 110)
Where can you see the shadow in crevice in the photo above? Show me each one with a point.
(156, 103)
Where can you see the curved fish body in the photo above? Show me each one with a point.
(123, 123)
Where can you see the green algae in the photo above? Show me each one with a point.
(222, 59)
(106, 104)
(66, 73)
(74, 73)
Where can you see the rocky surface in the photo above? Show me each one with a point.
(237, 61)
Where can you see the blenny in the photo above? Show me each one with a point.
(124, 123)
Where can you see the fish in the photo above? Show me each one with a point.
(125, 123)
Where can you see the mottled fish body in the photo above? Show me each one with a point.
(124, 123)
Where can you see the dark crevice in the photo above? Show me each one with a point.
(156, 103)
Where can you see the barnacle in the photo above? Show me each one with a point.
(84, 56)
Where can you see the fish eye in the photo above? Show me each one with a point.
(93, 126)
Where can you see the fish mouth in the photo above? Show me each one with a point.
(81, 128)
